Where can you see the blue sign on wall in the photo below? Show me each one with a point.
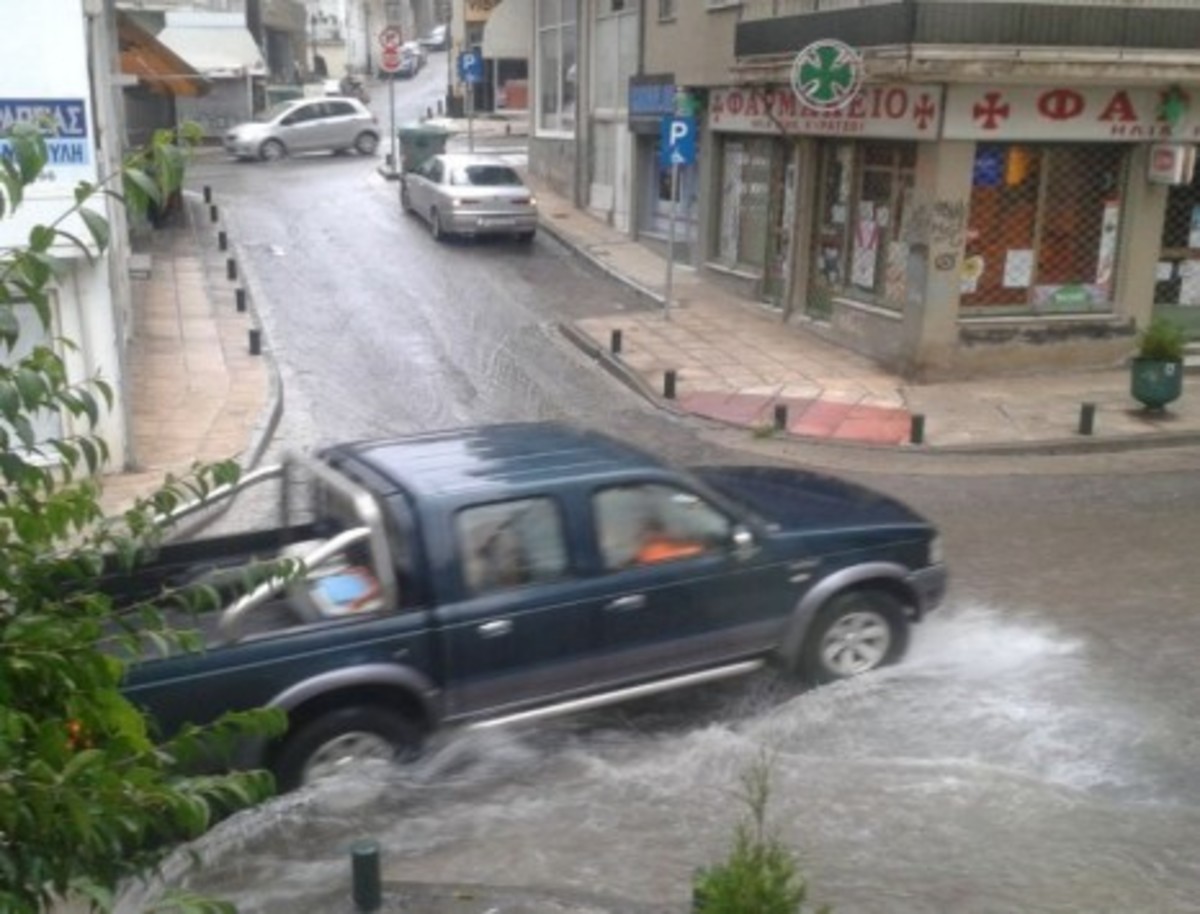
(677, 141)
(63, 121)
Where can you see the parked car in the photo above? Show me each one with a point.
(470, 194)
(437, 39)
(306, 125)
(415, 49)
(512, 572)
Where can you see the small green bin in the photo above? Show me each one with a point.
(418, 142)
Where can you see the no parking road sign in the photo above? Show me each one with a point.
(391, 37)
(677, 141)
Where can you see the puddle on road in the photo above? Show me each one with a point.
(994, 770)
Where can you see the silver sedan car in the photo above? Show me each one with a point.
(470, 195)
(306, 125)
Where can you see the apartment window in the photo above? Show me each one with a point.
(557, 74)
(666, 9)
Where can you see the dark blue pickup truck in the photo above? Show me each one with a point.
(518, 571)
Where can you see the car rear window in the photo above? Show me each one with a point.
(485, 176)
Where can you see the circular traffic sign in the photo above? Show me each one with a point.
(389, 59)
(391, 37)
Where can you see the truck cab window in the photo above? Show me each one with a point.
(648, 523)
(511, 544)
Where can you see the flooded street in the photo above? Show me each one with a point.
(994, 771)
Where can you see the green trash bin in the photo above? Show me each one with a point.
(418, 142)
(277, 94)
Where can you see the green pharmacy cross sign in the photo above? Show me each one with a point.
(827, 75)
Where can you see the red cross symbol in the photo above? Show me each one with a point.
(925, 111)
(993, 112)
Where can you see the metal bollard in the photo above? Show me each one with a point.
(212, 213)
(917, 430)
(1087, 418)
(207, 194)
(231, 268)
(255, 341)
(441, 107)
(239, 296)
(364, 861)
(669, 384)
(781, 417)
(222, 240)
(615, 345)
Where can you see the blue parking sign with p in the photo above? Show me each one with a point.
(677, 144)
(470, 67)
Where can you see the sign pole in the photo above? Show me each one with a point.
(392, 119)
(469, 89)
(671, 242)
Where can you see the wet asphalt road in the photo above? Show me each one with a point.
(1035, 753)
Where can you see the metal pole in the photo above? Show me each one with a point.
(392, 117)
(469, 89)
(671, 242)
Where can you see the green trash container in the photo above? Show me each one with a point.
(418, 142)
(277, 94)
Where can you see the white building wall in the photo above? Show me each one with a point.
(45, 51)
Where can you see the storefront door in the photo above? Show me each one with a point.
(782, 219)
(1177, 290)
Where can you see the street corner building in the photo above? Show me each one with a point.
(950, 187)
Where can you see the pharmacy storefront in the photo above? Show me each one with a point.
(953, 230)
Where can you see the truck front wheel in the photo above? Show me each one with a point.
(854, 633)
(339, 740)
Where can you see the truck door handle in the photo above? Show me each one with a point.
(625, 604)
(497, 629)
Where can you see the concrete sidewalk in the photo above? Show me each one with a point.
(196, 393)
(736, 362)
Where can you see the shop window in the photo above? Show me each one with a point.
(557, 74)
(1042, 228)
(745, 203)
(1178, 271)
(864, 192)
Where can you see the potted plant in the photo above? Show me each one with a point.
(1157, 369)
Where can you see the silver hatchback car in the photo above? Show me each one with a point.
(469, 194)
(306, 125)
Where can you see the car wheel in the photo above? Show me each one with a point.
(271, 151)
(525, 237)
(366, 144)
(854, 633)
(435, 226)
(341, 739)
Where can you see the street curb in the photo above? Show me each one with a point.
(1048, 448)
(603, 266)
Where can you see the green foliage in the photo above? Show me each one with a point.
(760, 875)
(90, 795)
(1163, 340)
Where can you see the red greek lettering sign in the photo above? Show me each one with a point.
(885, 111)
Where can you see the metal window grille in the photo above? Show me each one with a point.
(1178, 278)
(864, 192)
(1042, 229)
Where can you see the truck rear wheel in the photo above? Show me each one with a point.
(339, 740)
(854, 633)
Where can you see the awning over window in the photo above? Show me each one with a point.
(217, 44)
(509, 30)
(153, 63)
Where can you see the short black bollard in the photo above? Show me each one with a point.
(231, 268)
(207, 194)
(212, 213)
(255, 341)
(222, 240)
(239, 296)
(615, 345)
(781, 416)
(1087, 418)
(364, 861)
(917, 430)
(440, 108)
(669, 384)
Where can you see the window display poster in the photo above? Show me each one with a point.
(1194, 229)
(1107, 255)
(896, 279)
(1165, 271)
(1189, 283)
(866, 248)
(972, 271)
(1018, 269)
(989, 166)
